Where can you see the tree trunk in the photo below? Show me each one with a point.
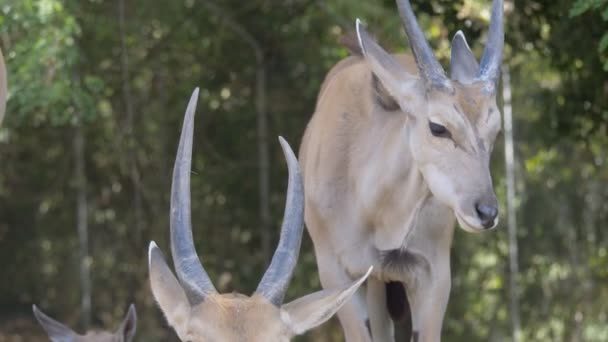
(510, 171)
(136, 234)
(130, 132)
(263, 158)
(81, 224)
(262, 125)
(3, 87)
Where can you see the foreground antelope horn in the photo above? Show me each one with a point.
(275, 282)
(190, 271)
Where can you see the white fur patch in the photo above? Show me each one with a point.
(440, 185)
(286, 319)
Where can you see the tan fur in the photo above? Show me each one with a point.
(377, 180)
(236, 317)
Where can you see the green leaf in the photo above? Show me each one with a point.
(603, 43)
(582, 6)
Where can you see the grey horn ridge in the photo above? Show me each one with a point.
(190, 271)
(489, 69)
(275, 282)
(191, 274)
(431, 71)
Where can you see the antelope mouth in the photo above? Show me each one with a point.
(472, 224)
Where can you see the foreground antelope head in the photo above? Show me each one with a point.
(454, 120)
(61, 333)
(192, 305)
(3, 87)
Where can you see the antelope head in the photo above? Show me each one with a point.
(192, 305)
(452, 121)
(60, 333)
(3, 88)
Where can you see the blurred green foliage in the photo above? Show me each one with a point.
(600, 6)
(64, 65)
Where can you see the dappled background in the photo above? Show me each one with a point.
(97, 90)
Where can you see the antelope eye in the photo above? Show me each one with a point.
(439, 130)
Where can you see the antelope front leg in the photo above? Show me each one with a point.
(428, 301)
(353, 313)
(380, 321)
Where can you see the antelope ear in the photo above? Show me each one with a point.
(166, 290)
(395, 82)
(314, 309)
(57, 331)
(129, 324)
(463, 65)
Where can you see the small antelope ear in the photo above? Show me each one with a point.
(395, 80)
(166, 289)
(57, 331)
(463, 65)
(314, 309)
(129, 324)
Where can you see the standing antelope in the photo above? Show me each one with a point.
(3, 88)
(196, 310)
(60, 333)
(393, 153)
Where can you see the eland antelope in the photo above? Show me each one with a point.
(58, 332)
(394, 153)
(190, 302)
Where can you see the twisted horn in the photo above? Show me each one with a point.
(278, 275)
(191, 274)
(429, 67)
(489, 69)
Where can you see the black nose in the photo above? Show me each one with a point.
(486, 214)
